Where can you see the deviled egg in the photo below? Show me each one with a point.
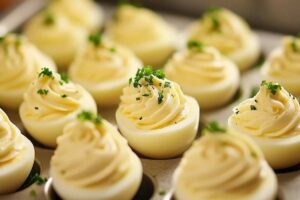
(272, 119)
(56, 36)
(154, 115)
(20, 62)
(203, 73)
(104, 68)
(229, 33)
(16, 156)
(93, 161)
(224, 166)
(144, 32)
(283, 65)
(50, 102)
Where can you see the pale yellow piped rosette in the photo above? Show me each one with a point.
(20, 63)
(283, 65)
(93, 161)
(224, 166)
(103, 68)
(84, 13)
(50, 103)
(56, 36)
(202, 72)
(16, 156)
(156, 118)
(272, 119)
(229, 33)
(144, 32)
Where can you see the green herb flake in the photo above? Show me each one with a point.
(89, 116)
(160, 97)
(194, 44)
(254, 91)
(273, 87)
(49, 19)
(294, 46)
(215, 24)
(64, 96)
(46, 72)
(213, 9)
(96, 39)
(253, 154)
(162, 192)
(64, 78)
(252, 107)
(36, 108)
(33, 193)
(112, 49)
(214, 127)
(146, 95)
(140, 118)
(43, 91)
(2, 38)
(146, 73)
(138, 98)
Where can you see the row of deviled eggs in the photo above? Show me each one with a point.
(271, 118)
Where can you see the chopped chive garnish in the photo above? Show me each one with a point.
(254, 91)
(273, 87)
(160, 97)
(49, 19)
(46, 72)
(96, 39)
(64, 96)
(112, 49)
(64, 77)
(194, 44)
(214, 127)
(43, 91)
(89, 116)
(252, 107)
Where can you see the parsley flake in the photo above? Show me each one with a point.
(46, 72)
(254, 91)
(43, 91)
(194, 44)
(273, 87)
(33, 193)
(64, 77)
(160, 97)
(112, 49)
(96, 39)
(214, 127)
(162, 192)
(49, 19)
(252, 107)
(89, 116)
(64, 96)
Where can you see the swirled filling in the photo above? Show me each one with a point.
(20, 62)
(218, 165)
(222, 29)
(10, 145)
(285, 62)
(272, 113)
(91, 155)
(153, 102)
(51, 96)
(133, 26)
(103, 61)
(200, 66)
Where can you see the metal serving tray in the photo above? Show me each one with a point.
(156, 184)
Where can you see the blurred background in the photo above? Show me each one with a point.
(281, 16)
